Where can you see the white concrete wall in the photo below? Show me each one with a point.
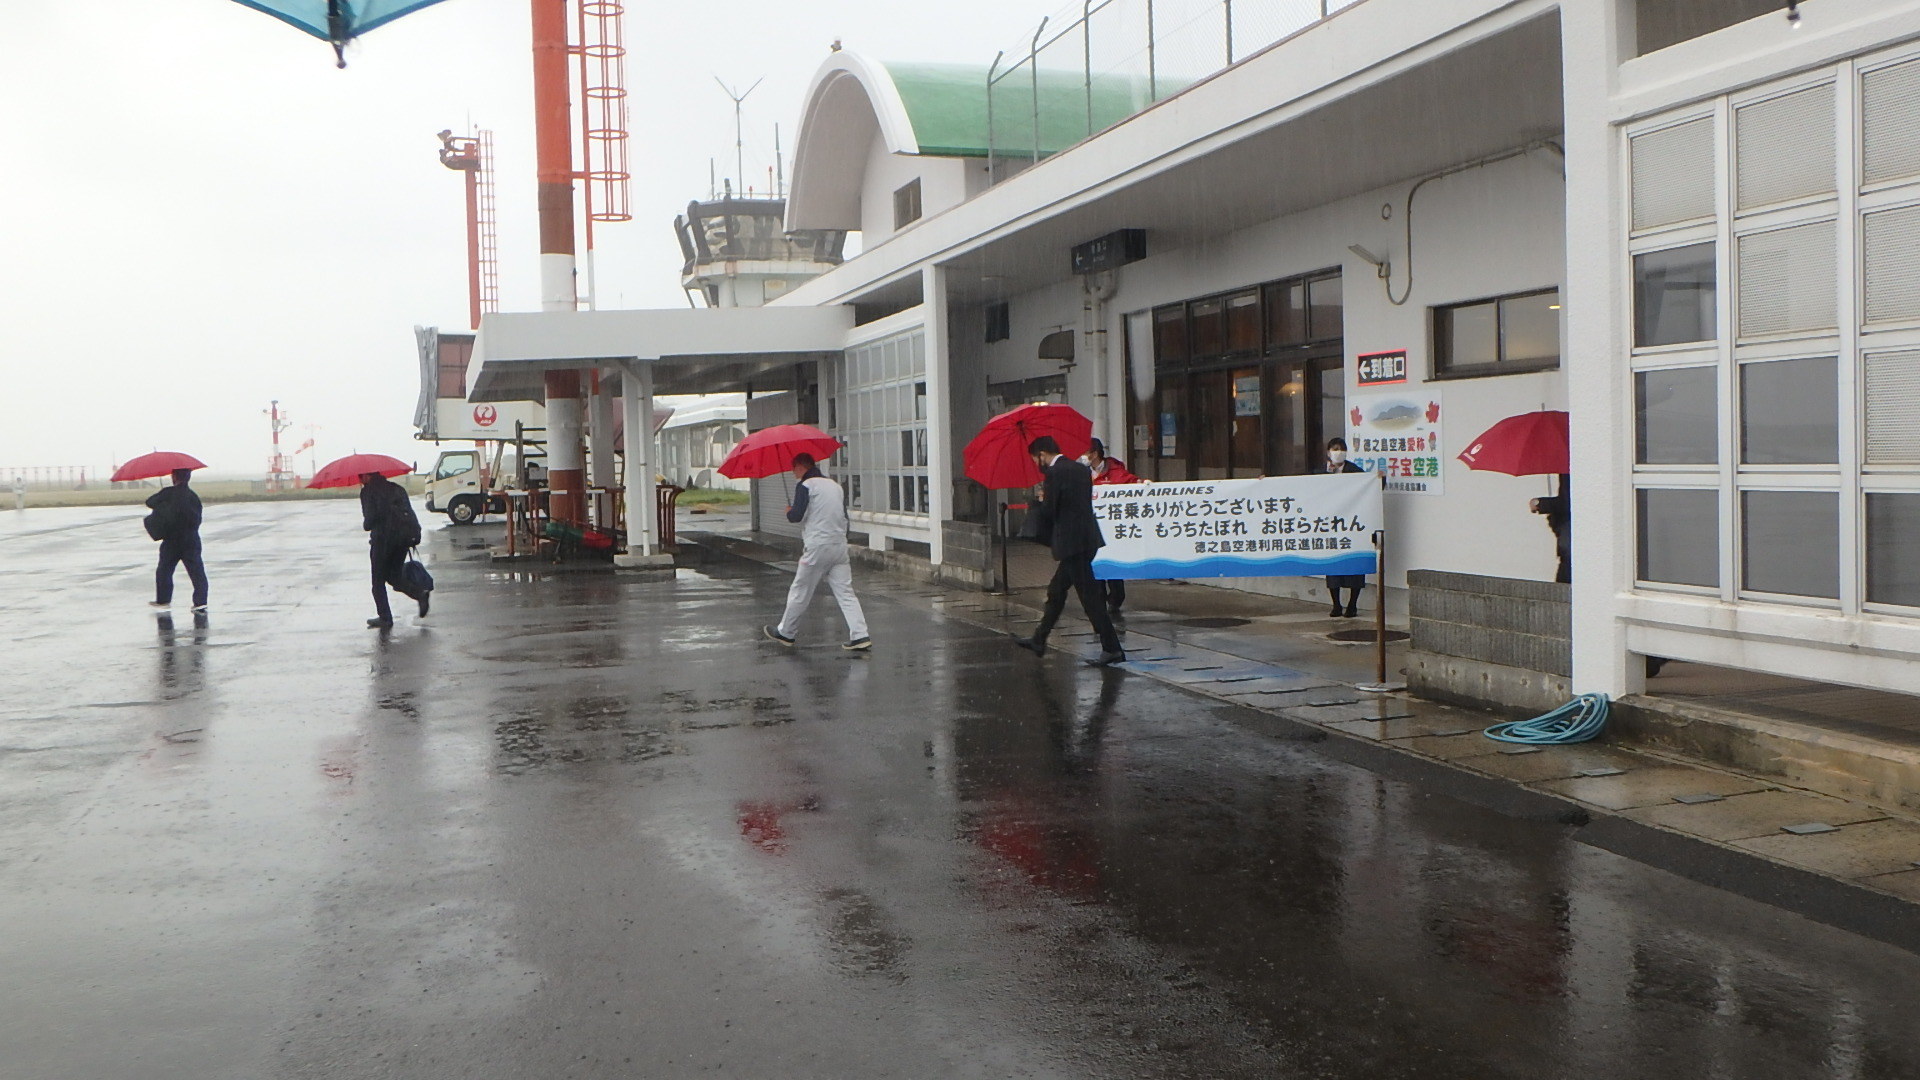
(1480, 233)
(944, 183)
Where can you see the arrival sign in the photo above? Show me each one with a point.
(1270, 526)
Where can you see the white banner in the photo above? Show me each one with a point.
(1270, 526)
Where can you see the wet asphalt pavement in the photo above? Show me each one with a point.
(580, 825)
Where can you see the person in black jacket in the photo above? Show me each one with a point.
(1558, 510)
(386, 513)
(1066, 523)
(1355, 583)
(175, 522)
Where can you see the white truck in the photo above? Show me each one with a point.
(464, 484)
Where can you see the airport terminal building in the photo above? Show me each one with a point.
(1231, 235)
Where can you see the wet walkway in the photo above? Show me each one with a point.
(585, 826)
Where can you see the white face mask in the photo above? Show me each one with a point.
(1336, 457)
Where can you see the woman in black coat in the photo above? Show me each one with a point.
(1337, 463)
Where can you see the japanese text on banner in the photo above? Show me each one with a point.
(1274, 526)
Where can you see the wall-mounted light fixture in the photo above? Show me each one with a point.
(1058, 345)
(1793, 13)
(1381, 267)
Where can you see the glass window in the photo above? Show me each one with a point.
(1530, 328)
(1212, 419)
(1679, 536)
(454, 465)
(1677, 414)
(1325, 306)
(1247, 437)
(1790, 412)
(1500, 336)
(1893, 557)
(1205, 331)
(1243, 322)
(1171, 443)
(1673, 296)
(1468, 336)
(1286, 313)
(1790, 542)
(906, 204)
(1170, 334)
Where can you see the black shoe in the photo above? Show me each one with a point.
(379, 624)
(773, 634)
(1351, 613)
(1108, 659)
(858, 644)
(1033, 645)
(426, 599)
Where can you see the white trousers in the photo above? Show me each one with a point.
(828, 562)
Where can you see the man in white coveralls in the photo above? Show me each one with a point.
(820, 507)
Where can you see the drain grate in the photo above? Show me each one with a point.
(1366, 635)
(1214, 622)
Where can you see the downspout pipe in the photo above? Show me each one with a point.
(1097, 290)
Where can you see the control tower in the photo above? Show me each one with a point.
(739, 254)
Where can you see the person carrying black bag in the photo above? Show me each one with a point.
(386, 513)
(175, 522)
(1064, 521)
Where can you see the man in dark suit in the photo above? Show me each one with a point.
(1065, 521)
(175, 522)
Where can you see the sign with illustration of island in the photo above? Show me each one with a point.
(1398, 436)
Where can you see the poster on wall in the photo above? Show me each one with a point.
(1398, 436)
(1269, 526)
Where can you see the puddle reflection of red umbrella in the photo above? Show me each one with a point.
(158, 463)
(346, 471)
(1530, 444)
(997, 458)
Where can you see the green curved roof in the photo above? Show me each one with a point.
(947, 105)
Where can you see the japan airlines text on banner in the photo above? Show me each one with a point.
(1270, 526)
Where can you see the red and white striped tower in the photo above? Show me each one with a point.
(553, 145)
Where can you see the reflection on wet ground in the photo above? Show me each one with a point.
(583, 826)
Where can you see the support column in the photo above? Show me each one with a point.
(1595, 348)
(643, 530)
(933, 284)
(566, 475)
(600, 449)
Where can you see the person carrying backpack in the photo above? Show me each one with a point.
(175, 522)
(386, 513)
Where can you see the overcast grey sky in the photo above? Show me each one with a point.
(199, 213)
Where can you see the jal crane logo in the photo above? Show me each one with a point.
(485, 415)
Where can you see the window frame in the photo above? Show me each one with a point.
(1443, 369)
(907, 207)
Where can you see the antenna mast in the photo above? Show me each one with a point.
(739, 142)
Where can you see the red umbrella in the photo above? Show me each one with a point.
(771, 450)
(158, 463)
(1530, 444)
(997, 457)
(346, 471)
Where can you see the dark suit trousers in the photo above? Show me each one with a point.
(389, 557)
(1076, 574)
(180, 553)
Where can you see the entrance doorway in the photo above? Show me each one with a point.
(1248, 383)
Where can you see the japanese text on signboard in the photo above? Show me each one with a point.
(1269, 526)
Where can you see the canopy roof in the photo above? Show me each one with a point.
(691, 350)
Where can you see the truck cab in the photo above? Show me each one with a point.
(457, 487)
